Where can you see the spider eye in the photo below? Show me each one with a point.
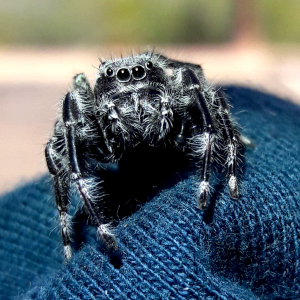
(149, 65)
(110, 72)
(138, 72)
(123, 75)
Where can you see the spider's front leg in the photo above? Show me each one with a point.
(204, 142)
(201, 143)
(71, 121)
(209, 110)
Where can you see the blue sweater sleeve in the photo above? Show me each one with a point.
(240, 249)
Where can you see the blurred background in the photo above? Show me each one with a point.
(44, 43)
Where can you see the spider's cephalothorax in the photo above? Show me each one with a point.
(144, 99)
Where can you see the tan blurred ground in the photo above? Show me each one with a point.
(32, 81)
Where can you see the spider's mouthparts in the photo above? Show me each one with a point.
(113, 115)
(181, 139)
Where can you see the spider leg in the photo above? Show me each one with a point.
(69, 118)
(232, 139)
(229, 134)
(201, 142)
(61, 188)
(206, 149)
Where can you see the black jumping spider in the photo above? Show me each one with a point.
(143, 99)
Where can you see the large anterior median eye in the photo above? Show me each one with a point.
(138, 72)
(123, 75)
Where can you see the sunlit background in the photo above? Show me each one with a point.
(44, 43)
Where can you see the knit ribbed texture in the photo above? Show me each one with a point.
(28, 248)
(240, 249)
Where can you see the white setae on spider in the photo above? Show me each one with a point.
(145, 101)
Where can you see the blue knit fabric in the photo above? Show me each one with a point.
(240, 249)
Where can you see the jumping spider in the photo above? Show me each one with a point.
(142, 99)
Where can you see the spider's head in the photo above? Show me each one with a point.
(132, 71)
(129, 71)
(129, 95)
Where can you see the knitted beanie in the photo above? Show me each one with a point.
(169, 249)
